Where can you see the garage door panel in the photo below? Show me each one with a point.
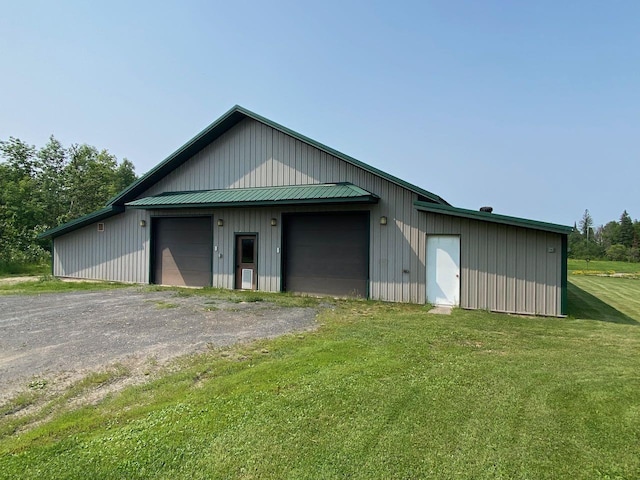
(316, 264)
(193, 278)
(187, 249)
(192, 263)
(327, 254)
(183, 251)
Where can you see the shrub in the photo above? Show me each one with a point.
(617, 253)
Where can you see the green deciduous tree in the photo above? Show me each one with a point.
(607, 235)
(618, 253)
(52, 190)
(41, 188)
(20, 208)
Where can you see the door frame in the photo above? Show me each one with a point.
(429, 266)
(236, 262)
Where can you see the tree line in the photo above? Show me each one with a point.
(41, 188)
(617, 240)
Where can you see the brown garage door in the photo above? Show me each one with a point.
(327, 253)
(182, 251)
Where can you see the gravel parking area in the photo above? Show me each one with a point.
(45, 335)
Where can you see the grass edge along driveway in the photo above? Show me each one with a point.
(380, 391)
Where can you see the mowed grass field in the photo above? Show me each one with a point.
(603, 266)
(611, 299)
(378, 391)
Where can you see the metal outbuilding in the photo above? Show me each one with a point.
(250, 204)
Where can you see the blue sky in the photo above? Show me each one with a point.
(531, 107)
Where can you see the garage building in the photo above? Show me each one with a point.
(250, 204)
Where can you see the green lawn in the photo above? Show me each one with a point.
(604, 298)
(15, 269)
(379, 391)
(48, 284)
(603, 266)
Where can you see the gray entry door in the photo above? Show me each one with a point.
(327, 254)
(182, 251)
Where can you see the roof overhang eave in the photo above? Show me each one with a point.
(492, 217)
(83, 221)
(370, 199)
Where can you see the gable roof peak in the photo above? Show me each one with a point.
(223, 124)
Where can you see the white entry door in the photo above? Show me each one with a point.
(443, 269)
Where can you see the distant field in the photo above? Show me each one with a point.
(603, 266)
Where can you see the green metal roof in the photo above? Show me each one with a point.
(96, 216)
(492, 217)
(332, 193)
(222, 125)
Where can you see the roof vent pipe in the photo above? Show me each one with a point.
(486, 209)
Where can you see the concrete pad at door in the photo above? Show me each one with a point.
(441, 310)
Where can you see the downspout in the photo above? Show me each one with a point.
(52, 256)
(564, 300)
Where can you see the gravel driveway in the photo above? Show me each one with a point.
(47, 334)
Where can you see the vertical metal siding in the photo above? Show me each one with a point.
(505, 268)
(119, 253)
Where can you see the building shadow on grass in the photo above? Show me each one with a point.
(589, 307)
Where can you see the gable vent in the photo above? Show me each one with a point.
(101, 227)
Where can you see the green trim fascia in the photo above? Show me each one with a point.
(80, 222)
(492, 217)
(222, 125)
(564, 299)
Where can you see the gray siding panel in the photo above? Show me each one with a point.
(120, 253)
(504, 268)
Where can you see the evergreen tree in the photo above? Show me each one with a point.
(625, 232)
(586, 225)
